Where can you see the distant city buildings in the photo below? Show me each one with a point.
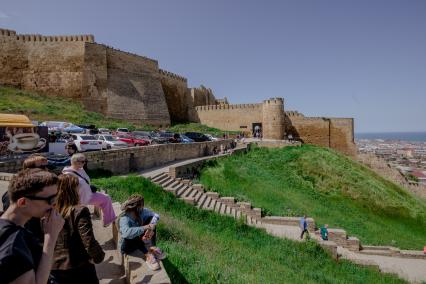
(409, 157)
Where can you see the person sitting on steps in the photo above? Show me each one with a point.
(137, 228)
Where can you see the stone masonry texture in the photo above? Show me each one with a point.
(127, 86)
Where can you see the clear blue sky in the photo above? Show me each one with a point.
(364, 59)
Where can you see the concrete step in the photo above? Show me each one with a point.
(223, 209)
(159, 177)
(217, 206)
(111, 269)
(189, 193)
(178, 186)
(209, 205)
(162, 179)
(137, 270)
(182, 191)
(201, 200)
(174, 184)
(197, 195)
(165, 181)
(166, 184)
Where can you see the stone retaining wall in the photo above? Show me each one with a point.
(122, 161)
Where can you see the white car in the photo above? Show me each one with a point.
(211, 137)
(104, 131)
(110, 142)
(85, 142)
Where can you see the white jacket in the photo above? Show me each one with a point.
(83, 188)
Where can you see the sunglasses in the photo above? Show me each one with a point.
(49, 199)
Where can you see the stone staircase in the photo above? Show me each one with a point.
(195, 195)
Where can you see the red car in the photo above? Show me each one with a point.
(131, 140)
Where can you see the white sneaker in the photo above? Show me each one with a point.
(160, 255)
(152, 262)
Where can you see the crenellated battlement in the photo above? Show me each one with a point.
(277, 101)
(226, 106)
(41, 38)
(6, 32)
(123, 51)
(173, 75)
(293, 113)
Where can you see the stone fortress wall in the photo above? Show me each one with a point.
(128, 86)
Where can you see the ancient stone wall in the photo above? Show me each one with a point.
(95, 78)
(336, 133)
(311, 130)
(178, 98)
(273, 119)
(203, 96)
(238, 117)
(342, 135)
(132, 87)
(134, 90)
(51, 64)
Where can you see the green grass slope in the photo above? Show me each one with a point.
(327, 186)
(204, 247)
(41, 107)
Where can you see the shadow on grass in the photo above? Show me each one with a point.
(173, 272)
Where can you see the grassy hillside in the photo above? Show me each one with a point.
(327, 186)
(41, 107)
(204, 247)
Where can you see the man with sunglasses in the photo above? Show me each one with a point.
(23, 259)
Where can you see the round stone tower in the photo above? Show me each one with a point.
(273, 119)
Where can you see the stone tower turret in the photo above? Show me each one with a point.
(273, 118)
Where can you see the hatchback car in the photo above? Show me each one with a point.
(86, 142)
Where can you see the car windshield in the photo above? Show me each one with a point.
(88, 137)
(166, 134)
(125, 136)
(110, 138)
(142, 133)
(122, 130)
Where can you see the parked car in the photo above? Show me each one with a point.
(145, 135)
(211, 137)
(185, 139)
(89, 129)
(157, 138)
(110, 142)
(121, 131)
(197, 137)
(104, 131)
(132, 140)
(55, 125)
(85, 142)
(74, 129)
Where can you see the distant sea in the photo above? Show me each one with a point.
(402, 136)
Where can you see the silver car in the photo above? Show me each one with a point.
(110, 142)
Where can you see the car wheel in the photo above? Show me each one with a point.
(108, 147)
